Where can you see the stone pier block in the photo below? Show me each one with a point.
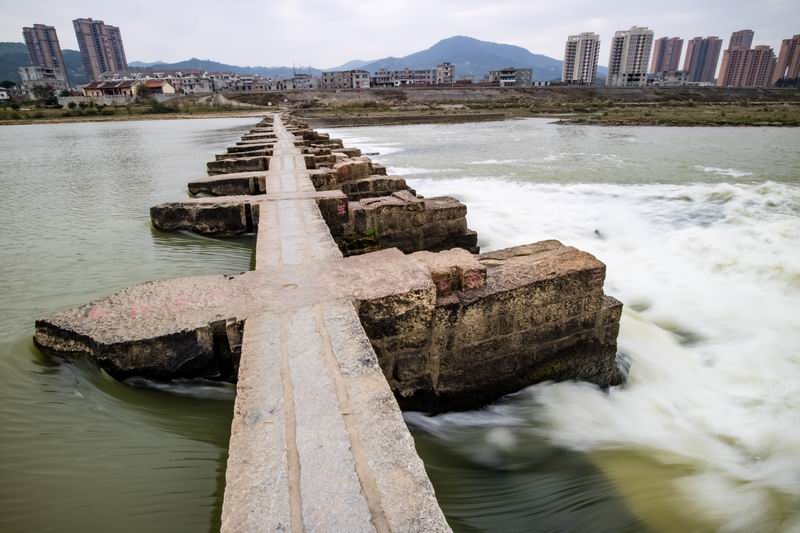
(224, 218)
(538, 314)
(406, 222)
(260, 152)
(242, 183)
(352, 170)
(244, 164)
(453, 270)
(166, 329)
(249, 148)
(374, 186)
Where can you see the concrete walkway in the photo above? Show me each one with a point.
(318, 442)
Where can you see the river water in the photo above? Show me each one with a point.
(700, 230)
(699, 227)
(80, 452)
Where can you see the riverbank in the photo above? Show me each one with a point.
(610, 106)
(634, 106)
(207, 106)
(56, 119)
(673, 114)
(743, 114)
(398, 119)
(687, 115)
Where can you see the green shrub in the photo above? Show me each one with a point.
(158, 107)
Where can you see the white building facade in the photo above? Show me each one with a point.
(580, 59)
(51, 77)
(345, 79)
(630, 57)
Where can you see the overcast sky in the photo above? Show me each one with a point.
(326, 33)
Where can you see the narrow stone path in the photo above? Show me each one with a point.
(318, 442)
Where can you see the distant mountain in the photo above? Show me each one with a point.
(15, 55)
(351, 65)
(75, 72)
(215, 66)
(142, 64)
(471, 56)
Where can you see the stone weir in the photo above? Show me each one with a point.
(366, 299)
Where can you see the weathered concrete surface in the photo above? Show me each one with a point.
(317, 441)
(450, 330)
(312, 406)
(191, 327)
(325, 346)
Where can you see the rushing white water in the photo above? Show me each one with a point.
(707, 263)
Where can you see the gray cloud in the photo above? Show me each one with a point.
(326, 33)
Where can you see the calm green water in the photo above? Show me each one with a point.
(700, 229)
(79, 451)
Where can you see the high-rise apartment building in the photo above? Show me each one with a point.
(101, 47)
(743, 66)
(666, 54)
(580, 59)
(788, 66)
(741, 39)
(43, 47)
(629, 57)
(702, 56)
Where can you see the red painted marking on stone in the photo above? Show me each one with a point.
(96, 313)
(136, 310)
(180, 302)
